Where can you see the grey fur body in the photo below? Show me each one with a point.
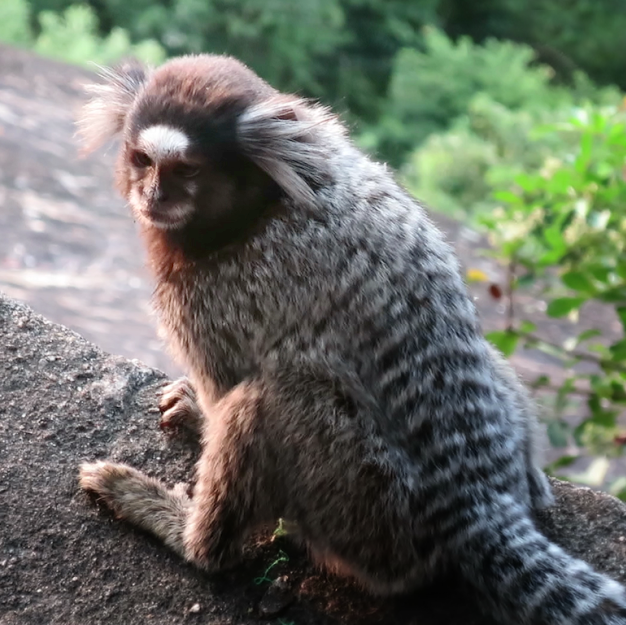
(345, 386)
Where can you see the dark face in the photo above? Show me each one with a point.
(181, 167)
(202, 193)
(164, 176)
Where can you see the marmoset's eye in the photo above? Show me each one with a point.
(183, 170)
(141, 159)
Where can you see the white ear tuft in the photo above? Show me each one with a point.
(291, 140)
(103, 116)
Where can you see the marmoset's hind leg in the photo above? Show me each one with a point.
(209, 527)
(295, 446)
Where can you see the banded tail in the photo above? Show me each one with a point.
(527, 580)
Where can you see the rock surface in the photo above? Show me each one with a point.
(68, 246)
(65, 561)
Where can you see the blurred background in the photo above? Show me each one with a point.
(505, 117)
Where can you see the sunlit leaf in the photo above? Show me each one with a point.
(505, 341)
(595, 473)
(476, 275)
(578, 281)
(564, 305)
(586, 335)
(507, 196)
(584, 156)
(563, 461)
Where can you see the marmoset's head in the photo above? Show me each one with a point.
(205, 141)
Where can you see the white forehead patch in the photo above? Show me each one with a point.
(163, 142)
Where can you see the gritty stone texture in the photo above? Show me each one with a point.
(63, 560)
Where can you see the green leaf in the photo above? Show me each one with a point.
(600, 273)
(554, 237)
(527, 327)
(614, 296)
(618, 350)
(618, 488)
(507, 196)
(593, 403)
(621, 269)
(579, 432)
(618, 391)
(558, 433)
(564, 305)
(552, 257)
(598, 348)
(586, 143)
(560, 182)
(599, 415)
(563, 461)
(587, 334)
(578, 281)
(621, 312)
(529, 183)
(505, 341)
(526, 280)
(605, 418)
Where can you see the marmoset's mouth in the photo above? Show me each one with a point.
(168, 216)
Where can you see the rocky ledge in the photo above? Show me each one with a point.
(64, 560)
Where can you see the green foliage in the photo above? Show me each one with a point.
(448, 171)
(570, 34)
(338, 50)
(73, 37)
(454, 171)
(430, 89)
(563, 226)
(14, 22)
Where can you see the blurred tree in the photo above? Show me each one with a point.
(568, 34)
(15, 22)
(430, 89)
(71, 35)
(341, 51)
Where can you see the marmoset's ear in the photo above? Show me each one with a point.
(104, 114)
(288, 138)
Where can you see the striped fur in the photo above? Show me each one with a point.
(345, 381)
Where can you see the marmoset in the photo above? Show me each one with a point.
(336, 362)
